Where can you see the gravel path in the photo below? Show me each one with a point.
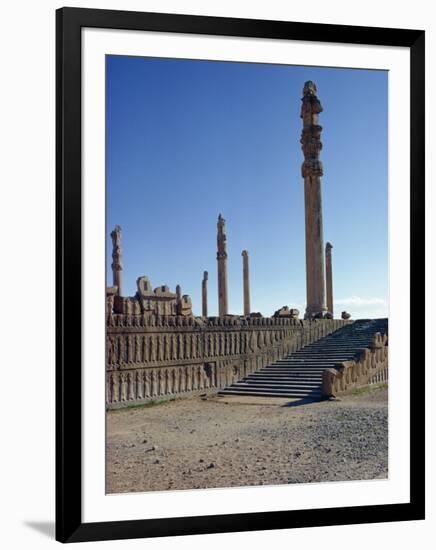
(223, 442)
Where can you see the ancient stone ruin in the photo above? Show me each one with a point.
(157, 348)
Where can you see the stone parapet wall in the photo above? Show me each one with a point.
(152, 357)
(371, 366)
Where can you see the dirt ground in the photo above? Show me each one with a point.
(225, 441)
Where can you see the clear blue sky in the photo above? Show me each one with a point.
(187, 140)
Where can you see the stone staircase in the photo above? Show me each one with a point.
(299, 375)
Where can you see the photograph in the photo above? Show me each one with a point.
(247, 284)
(222, 208)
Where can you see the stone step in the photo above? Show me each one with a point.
(294, 382)
(302, 375)
(318, 366)
(304, 365)
(334, 347)
(265, 393)
(312, 362)
(307, 368)
(277, 384)
(315, 354)
(275, 387)
(312, 371)
(280, 380)
(278, 391)
(318, 355)
(336, 351)
(284, 370)
(292, 379)
(316, 358)
(344, 340)
(292, 375)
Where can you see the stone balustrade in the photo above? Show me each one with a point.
(369, 367)
(155, 357)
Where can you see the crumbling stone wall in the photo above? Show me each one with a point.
(152, 357)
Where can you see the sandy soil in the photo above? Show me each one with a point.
(223, 442)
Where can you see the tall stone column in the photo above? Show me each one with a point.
(329, 277)
(222, 267)
(204, 294)
(246, 281)
(117, 265)
(312, 170)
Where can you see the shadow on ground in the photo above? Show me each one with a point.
(305, 401)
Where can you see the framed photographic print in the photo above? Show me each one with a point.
(240, 269)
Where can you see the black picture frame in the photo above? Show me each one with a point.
(69, 525)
